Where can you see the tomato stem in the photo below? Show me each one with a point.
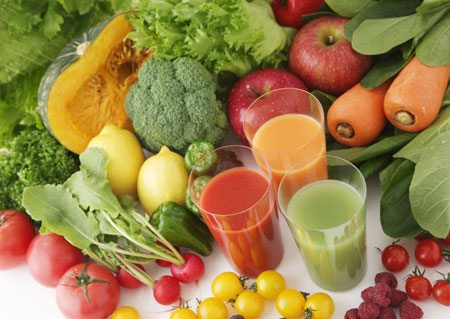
(83, 280)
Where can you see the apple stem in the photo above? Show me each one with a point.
(345, 130)
(405, 118)
(331, 40)
(251, 90)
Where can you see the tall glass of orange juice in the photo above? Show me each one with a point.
(286, 127)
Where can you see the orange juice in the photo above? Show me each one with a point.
(289, 140)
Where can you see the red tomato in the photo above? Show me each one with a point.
(16, 233)
(49, 256)
(395, 258)
(87, 291)
(428, 253)
(441, 291)
(192, 270)
(417, 286)
(167, 290)
(289, 12)
(127, 280)
(446, 240)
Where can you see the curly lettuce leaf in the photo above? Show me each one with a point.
(225, 35)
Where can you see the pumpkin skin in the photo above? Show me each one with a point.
(85, 88)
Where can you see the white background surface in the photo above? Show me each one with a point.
(21, 297)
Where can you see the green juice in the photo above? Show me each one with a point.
(327, 219)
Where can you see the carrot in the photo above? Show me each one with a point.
(413, 101)
(356, 118)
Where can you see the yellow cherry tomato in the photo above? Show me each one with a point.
(249, 304)
(226, 286)
(290, 303)
(212, 308)
(183, 313)
(270, 283)
(125, 313)
(319, 306)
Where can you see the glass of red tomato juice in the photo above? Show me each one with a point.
(237, 200)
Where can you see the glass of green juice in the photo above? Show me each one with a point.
(328, 221)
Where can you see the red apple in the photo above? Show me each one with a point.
(252, 86)
(322, 56)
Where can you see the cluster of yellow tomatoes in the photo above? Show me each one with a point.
(249, 302)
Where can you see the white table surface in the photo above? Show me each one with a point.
(21, 297)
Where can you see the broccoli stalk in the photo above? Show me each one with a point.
(173, 103)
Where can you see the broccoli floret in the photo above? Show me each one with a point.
(33, 157)
(174, 103)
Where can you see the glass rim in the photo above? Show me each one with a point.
(267, 176)
(347, 163)
(321, 122)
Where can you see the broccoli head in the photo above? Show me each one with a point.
(33, 157)
(174, 103)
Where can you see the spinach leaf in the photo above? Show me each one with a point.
(435, 47)
(325, 99)
(348, 8)
(375, 165)
(428, 5)
(378, 36)
(60, 214)
(430, 187)
(385, 146)
(396, 217)
(311, 16)
(414, 149)
(383, 70)
(381, 9)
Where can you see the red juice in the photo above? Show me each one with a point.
(239, 208)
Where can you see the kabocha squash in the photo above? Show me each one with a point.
(85, 87)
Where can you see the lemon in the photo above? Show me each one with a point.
(125, 158)
(162, 178)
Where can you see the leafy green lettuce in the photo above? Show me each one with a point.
(225, 35)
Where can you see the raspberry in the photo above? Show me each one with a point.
(387, 313)
(368, 310)
(352, 314)
(382, 294)
(397, 297)
(367, 294)
(408, 310)
(386, 277)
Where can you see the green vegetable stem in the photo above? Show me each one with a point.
(182, 228)
(199, 157)
(87, 213)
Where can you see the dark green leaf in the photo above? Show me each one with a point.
(379, 10)
(383, 70)
(434, 49)
(430, 187)
(387, 145)
(59, 212)
(375, 165)
(395, 210)
(348, 8)
(414, 149)
(378, 36)
(311, 16)
(325, 99)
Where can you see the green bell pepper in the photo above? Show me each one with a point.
(200, 158)
(181, 228)
(190, 205)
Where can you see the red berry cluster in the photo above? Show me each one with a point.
(380, 300)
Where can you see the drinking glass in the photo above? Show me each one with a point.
(237, 201)
(286, 126)
(327, 219)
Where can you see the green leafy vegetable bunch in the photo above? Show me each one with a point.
(396, 30)
(87, 213)
(173, 103)
(225, 35)
(34, 157)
